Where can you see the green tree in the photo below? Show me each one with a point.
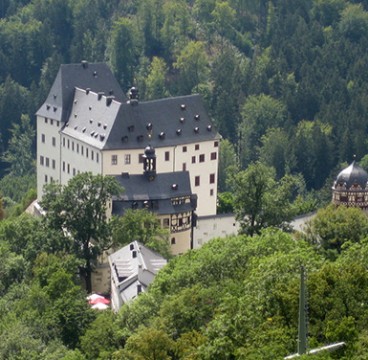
(354, 22)
(192, 64)
(176, 28)
(101, 339)
(155, 82)
(79, 210)
(223, 16)
(19, 154)
(143, 226)
(276, 151)
(260, 200)
(149, 344)
(258, 114)
(227, 164)
(123, 50)
(333, 226)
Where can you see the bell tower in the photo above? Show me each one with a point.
(149, 163)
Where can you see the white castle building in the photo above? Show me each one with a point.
(88, 124)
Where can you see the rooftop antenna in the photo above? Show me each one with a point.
(303, 324)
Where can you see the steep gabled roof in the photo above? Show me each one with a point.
(92, 117)
(134, 266)
(96, 76)
(165, 122)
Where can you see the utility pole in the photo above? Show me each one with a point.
(303, 324)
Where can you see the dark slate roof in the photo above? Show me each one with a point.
(92, 117)
(352, 175)
(96, 76)
(161, 190)
(164, 122)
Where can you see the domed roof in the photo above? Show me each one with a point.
(149, 151)
(352, 175)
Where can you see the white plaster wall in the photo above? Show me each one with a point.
(48, 150)
(207, 199)
(77, 159)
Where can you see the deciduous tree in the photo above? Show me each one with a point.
(79, 211)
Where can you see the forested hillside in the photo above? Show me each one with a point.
(285, 80)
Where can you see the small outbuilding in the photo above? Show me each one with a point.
(133, 268)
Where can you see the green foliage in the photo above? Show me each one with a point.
(333, 227)
(192, 64)
(225, 203)
(79, 211)
(227, 165)
(143, 226)
(19, 155)
(261, 201)
(258, 114)
(155, 83)
(101, 339)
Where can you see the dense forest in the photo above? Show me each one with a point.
(235, 298)
(285, 82)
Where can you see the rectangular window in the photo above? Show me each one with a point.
(97, 157)
(193, 159)
(47, 162)
(46, 179)
(184, 166)
(127, 159)
(63, 142)
(213, 156)
(92, 155)
(166, 222)
(211, 192)
(185, 149)
(72, 145)
(114, 159)
(53, 163)
(51, 122)
(216, 143)
(64, 166)
(201, 158)
(212, 178)
(82, 150)
(68, 144)
(43, 138)
(77, 148)
(41, 160)
(87, 153)
(53, 141)
(196, 147)
(46, 120)
(68, 167)
(140, 158)
(197, 181)
(57, 123)
(167, 155)
(74, 172)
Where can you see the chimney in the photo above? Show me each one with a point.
(133, 96)
(84, 64)
(109, 100)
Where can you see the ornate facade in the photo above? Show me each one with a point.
(350, 187)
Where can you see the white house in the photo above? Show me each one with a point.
(133, 268)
